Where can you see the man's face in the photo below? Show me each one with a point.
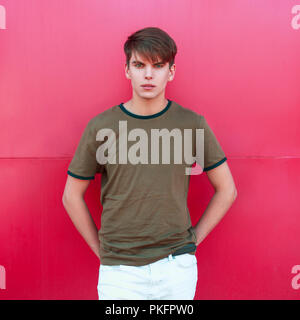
(143, 72)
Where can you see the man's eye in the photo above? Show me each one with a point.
(157, 65)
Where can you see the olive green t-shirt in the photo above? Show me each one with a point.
(145, 215)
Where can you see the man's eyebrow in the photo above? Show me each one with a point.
(136, 61)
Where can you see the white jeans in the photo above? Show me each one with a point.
(170, 278)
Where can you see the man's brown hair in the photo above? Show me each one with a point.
(152, 44)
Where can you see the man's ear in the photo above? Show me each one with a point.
(127, 71)
(172, 72)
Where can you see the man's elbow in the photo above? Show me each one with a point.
(69, 198)
(234, 194)
(231, 193)
(64, 200)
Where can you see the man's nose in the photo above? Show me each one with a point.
(148, 72)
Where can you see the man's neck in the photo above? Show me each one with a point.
(145, 107)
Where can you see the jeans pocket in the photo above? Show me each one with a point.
(185, 260)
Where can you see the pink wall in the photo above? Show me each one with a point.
(61, 63)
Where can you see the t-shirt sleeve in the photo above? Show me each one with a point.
(84, 164)
(213, 152)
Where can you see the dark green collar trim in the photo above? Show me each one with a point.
(155, 115)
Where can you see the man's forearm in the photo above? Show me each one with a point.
(214, 212)
(83, 221)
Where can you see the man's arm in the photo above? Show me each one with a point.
(73, 201)
(225, 194)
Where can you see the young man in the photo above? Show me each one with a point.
(146, 243)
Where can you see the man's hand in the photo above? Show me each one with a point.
(73, 201)
(225, 194)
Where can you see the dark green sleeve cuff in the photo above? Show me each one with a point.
(80, 177)
(215, 165)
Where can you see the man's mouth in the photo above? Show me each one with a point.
(148, 86)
